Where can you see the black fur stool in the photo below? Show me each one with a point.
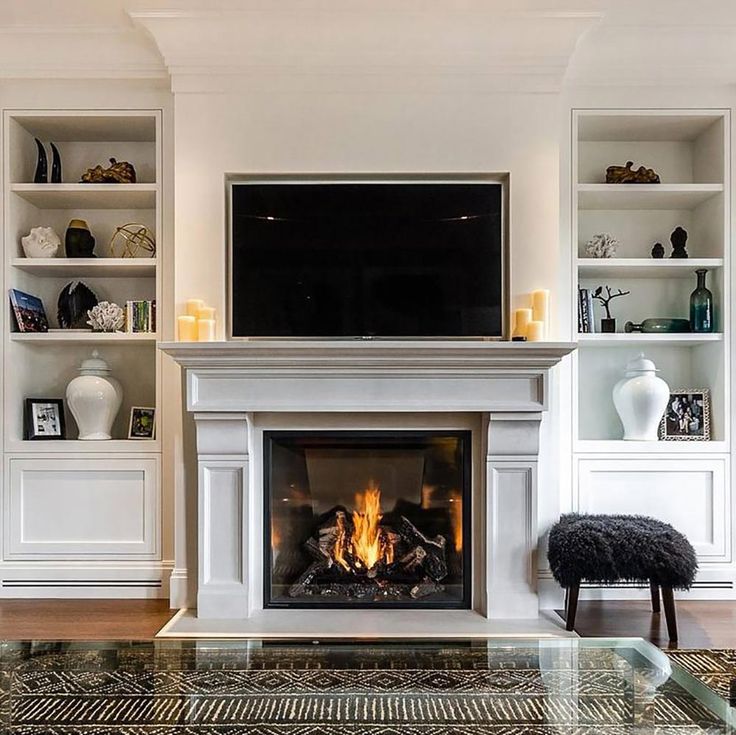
(604, 549)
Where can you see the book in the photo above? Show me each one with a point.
(140, 316)
(30, 316)
(583, 312)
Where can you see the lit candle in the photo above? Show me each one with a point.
(194, 306)
(540, 307)
(522, 317)
(206, 312)
(187, 328)
(535, 331)
(206, 330)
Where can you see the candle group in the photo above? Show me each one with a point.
(198, 324)
(533, 323)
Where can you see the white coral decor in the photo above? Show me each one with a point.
(602, 246)
(106, 317)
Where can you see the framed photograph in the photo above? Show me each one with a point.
(687, 417)
(43, 418)
(142, 423)
(30, 316)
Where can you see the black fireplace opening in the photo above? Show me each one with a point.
(369, 519)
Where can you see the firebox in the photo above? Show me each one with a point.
(367, 519)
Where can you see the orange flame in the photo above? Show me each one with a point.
(367, 541)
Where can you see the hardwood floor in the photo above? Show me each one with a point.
(701, 624)
(110, 620)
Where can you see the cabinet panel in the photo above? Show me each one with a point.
(81, 508)
(690, 494)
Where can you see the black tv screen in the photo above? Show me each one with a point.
(367, 259)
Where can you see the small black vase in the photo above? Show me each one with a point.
(79, 241)
(608, 326)
(55, 165)
(42, 165)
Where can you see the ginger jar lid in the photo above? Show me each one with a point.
(640, 366)
(94, 365)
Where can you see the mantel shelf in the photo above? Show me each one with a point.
(638, 338)
(644, 267)
(88, 196)
(645, 196)
(88, 267)
(64, 337)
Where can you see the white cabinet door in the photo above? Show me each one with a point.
(690, 494)
(81, 509)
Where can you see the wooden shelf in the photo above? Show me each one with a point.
(63, 337)
(644, 267)
(88, 196)
(637, 338)
(645, 196)
(88, 267)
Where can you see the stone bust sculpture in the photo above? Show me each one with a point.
(41, 242)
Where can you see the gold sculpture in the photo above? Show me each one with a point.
(119, 172)
(132, 239)
(625, 175)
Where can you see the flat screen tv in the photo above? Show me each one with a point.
(367, 259)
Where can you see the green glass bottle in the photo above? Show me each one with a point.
(701, 305)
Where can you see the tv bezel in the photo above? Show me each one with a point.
(502, 179)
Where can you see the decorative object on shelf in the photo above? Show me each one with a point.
(678, 238)
(41, 242)
(30, 316)
(193, 307)
(522, 317)
(75, 300)
(658, 326)
(602, 245)
(140, 316)
(78, 240)
(43, 418)
(119, 172)
(540, 311)
(55, 165)
(608, 324)
(701, 305)
(640, 400)
(41, 175)
(187, 328)
(106, 317)
(687, 416)
(586, 321)
(535, 331)
(94, 398)
(199, 323)
(658, 250)
(132, 240)
(142, 423)
(206, 330)
(626, 175)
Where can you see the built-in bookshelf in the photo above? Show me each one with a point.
(690, 150)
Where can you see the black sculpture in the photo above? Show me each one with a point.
(658, 250)
(678, 238)
(79, 242)
(42, 165)
(55, 165)
(75, 300)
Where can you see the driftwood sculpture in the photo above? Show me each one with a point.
(626, 175)
(119, 172)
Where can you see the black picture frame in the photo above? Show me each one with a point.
(43, 419)
(141, 418)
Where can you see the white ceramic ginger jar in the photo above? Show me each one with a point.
(640, 400)
(94, 398)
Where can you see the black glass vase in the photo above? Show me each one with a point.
(701, 305)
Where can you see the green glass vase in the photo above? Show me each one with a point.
(701, 305)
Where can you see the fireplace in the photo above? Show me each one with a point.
(370, 519)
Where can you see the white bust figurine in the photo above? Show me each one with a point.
(41, 242)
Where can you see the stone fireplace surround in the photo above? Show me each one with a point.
(238, 389)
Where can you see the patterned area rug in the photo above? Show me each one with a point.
(714, 668)
(191, 688)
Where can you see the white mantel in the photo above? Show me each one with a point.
(230, 384)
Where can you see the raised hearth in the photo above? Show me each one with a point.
(245, 394)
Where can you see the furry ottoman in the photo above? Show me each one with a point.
(605, 549)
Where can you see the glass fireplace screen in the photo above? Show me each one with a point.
(370, 519)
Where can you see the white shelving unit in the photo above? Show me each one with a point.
(685, 483)
(110, 531)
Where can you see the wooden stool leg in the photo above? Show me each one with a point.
(670, 614)
(572, 605)
(654, 589)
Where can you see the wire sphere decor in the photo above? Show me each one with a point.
(132, 240)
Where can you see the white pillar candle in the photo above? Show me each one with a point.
(194, 306)
(187, 328)
(206, 330)
(206, 312)
(535, 331)
(522, 317)
(540, 307)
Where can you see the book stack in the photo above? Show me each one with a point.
(140, 316)
(586, 318)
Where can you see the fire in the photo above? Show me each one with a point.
(456, 513)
